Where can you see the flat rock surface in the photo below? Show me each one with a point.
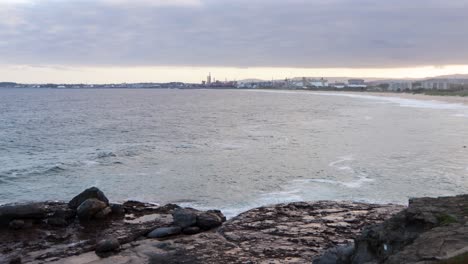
(42, 243)
(284, 233)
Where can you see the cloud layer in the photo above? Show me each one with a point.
(234, 33)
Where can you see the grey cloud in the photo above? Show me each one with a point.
(295, 33)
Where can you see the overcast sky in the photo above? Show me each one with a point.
(85, 37)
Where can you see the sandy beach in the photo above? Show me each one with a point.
(448, 99)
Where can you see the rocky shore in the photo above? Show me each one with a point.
(90, 229)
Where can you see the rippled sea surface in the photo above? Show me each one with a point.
(229, 149)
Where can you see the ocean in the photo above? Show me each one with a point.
(229, 149)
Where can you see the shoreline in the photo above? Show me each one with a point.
(74, 232)
(424, 97)
(90, 229)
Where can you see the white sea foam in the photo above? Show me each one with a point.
(341, 160)
(360, 180)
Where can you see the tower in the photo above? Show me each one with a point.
(208, 79)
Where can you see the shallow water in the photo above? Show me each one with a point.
(229, 149)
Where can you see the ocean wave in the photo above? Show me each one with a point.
(349, 184)
(14, 174)
(105, 154)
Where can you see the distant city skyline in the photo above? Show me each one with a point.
(102, 41)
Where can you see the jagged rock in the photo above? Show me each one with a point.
(90, 208)
(210, 219)
(90, 193)
(17, 224)
(107, 245)
(164, 232)
(431, 229)
(184, 217)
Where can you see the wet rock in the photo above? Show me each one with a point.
(117, 209)
(11, 212)
(184, 217)
(107, 245)
(209, 220)
(90, 193)
(191, 230)
(164, 232)
(89, 208)
(16, 224)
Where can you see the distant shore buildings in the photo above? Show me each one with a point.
(298, 83)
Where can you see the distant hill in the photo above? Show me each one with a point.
(452, 76)
(7, 84)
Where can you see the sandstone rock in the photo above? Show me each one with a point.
(107, 245)
(164, 232)
(89, 208)
(284, 233)
(90, 193)
(184, 217)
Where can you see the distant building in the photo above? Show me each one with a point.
(318, 83)
(435, 84)
(443, 84)
(356, 83)
(208, 79)
(400, 86)
(338, 85)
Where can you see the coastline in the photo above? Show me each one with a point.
(90, 229)
(424, 97)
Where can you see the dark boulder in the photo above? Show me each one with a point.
(103, 213)
(192, 230)
(89, 208)
(11, 212)
(164, 232)
(184, 217)
(210, 219)
(15, 260)
(337, 255)
(117, 209)
(107, 245)
(91, 193)
(429, 229)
